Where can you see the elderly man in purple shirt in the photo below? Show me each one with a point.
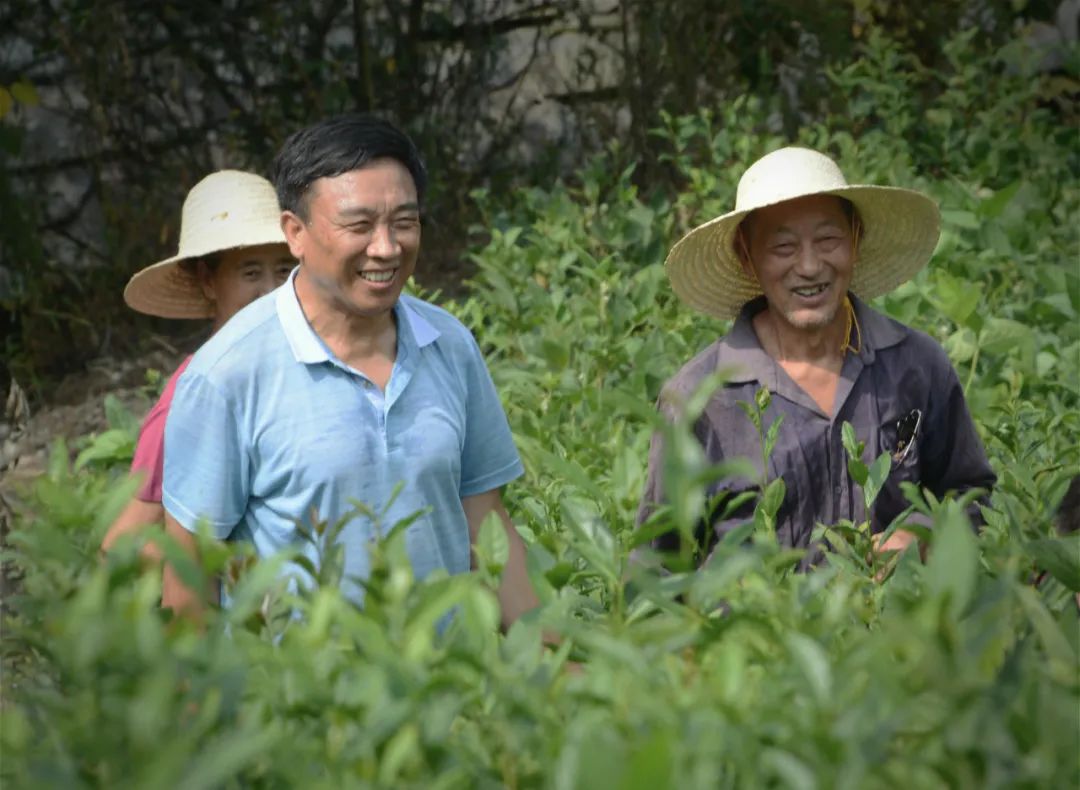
(792, 265)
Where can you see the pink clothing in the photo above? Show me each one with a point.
(149, 457)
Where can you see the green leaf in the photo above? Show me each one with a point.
(110, 505)
(953, 566)
(771, 436)
(875, 478)
(960, 345)
(991, 207)
(1000, 335)
(567, 468)
(113, 445)
(774, 496)
(813, 661)
(854, 449)
(651, 764)
(558, 575)
(762, 399)
(955, 298)
(401, 750)
(57, 468)
(493, 544)
(751, 414)
(960, 219)
(555, 352)
(852, 445)
(119, 417)
(590, 538)
(220, 759)
(791, 770)
(858, 471)
(1060, 557)
(1055, 643)
(684, 460)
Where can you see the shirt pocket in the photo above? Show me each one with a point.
(891, 500)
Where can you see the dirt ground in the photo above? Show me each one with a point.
(77, 409)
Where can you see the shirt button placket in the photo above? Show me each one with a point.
(836, 474)
(382, 416)
(838, 461)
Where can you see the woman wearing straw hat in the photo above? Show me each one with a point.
(232, 251)
(792, 265)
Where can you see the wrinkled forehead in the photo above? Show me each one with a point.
(803, 212)
(383, 184)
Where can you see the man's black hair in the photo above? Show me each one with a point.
(339, 145)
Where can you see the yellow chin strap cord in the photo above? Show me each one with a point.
(852, 321)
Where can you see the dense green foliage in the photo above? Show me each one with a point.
(110, 112)
(956, 672)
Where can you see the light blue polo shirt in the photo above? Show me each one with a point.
(267, 426)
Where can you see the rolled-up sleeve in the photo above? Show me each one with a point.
(207, 469)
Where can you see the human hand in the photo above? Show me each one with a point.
(885, 550)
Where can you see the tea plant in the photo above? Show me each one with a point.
(953, 672)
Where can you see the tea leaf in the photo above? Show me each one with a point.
(492, 544)
(876, 476)
(952, 568)
(1060, 557)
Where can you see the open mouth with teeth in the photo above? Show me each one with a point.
(378, 277)
(811, 290)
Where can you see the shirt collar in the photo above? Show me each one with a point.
(877, 331)
(422, 331)
(740, 351)
(308, 347)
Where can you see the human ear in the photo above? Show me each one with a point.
(295, 230)
(742, 250)
(206, 280)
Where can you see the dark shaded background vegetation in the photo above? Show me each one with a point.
(561, 190)
(111, 109)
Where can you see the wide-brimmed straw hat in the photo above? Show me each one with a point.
(900, 229)
(226, 210)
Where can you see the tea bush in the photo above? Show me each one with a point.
(956, 672)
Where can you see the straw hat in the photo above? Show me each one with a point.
(226, 210)
(900, 229)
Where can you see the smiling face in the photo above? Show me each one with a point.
(802, 255)
(360, 239)
(242, 275)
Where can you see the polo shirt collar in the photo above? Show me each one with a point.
(740, 351)
(423, 332)
(308, 348)
(878, 331)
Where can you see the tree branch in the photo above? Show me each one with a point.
(573, 98)
(467, 31)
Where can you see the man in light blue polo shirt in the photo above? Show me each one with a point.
(335, 387)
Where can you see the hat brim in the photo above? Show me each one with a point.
(900, 229)
(169, 290)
